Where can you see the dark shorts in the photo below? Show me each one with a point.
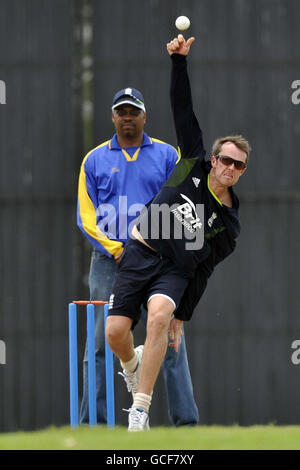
(142, 274)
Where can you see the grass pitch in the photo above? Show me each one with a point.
(160, 438)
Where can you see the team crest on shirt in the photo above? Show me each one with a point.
(212, 219)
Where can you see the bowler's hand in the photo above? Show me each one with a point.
(179, 45)
(175, 333)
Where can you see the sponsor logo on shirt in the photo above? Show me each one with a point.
(187, 215)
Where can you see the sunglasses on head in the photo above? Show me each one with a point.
(227, 161)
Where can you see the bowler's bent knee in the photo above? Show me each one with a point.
(117, 328)
(160, 310)
(157, 323)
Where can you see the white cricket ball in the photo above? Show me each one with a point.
(182, 23)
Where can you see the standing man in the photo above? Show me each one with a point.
(165, 272)
(116, 180)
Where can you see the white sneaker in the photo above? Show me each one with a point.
(138, 420)
(132, 378)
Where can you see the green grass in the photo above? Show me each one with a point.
(160, 438)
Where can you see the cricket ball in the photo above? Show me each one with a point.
(182, 23)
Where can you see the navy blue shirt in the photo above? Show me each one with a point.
(189, 181)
